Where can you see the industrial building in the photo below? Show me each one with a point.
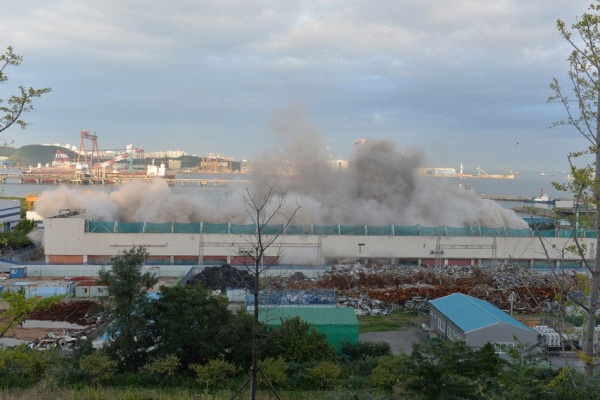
(43, 289)
(460, 317)
(90, 289)
(73, 239)
(10, 214)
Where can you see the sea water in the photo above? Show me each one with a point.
(526, 184)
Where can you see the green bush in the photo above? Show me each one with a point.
(325, 374)
(362, 350)
(162, 367)
(357, 374)
(275, 369)
(21, 366)
(64, 374)
(215, 373)
(387, 372)
(98, 367)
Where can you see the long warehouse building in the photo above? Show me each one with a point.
(76, 240)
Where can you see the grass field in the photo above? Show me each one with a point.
(382, 323)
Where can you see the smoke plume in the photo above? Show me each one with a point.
(378, 187)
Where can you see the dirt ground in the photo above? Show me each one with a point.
(71, 315)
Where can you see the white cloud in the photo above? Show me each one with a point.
(214, 72)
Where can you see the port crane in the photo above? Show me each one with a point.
(123, 156)
(94, 154)
(62, 160)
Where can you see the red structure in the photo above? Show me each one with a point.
(88, 158)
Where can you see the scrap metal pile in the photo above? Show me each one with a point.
(220, 278)
(82, 313)
(370, 286)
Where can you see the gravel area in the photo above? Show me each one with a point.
(400, 341)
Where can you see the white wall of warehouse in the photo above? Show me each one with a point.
(67, 236)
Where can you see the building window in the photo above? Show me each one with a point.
(502, 348)
(442, 325)
(100, 290)
(453, 335)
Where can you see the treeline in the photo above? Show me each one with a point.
(298, 363)
(185, 342)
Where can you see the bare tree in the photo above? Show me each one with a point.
(584, 60)
(14, 106)
(268, 211)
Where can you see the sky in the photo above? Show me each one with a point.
(464, 81)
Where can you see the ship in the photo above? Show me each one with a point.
(151, 171)
(543, 198)
(451, 173)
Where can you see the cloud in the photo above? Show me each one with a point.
(210, 74)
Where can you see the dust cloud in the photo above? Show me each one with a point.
(378, 187)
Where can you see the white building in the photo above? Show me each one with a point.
(10, 214)
(95, 242)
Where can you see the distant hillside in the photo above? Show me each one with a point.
(35, 153)
(6, 151)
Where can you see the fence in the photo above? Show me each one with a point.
(358, 230)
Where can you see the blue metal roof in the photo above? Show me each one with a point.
(470, 313)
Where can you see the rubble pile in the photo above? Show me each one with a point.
(220, 278)
(368, 287)
(61, 341)
(81, 312)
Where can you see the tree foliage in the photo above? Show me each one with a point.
(581, 102)
(275, 369)
(13, 107)
(191, 323)
(127, 290)
(215, 372)
(363, 350)
(296, 341)
(162, 367)
(17, 238)
(99, 367)
(21, 366)
(19, 306)
(325, 374)
(450, 371)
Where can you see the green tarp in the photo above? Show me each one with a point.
(338, 324)
(357, 230)
(101, 226)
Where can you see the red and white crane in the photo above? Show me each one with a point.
(62, 160)
(123, 156)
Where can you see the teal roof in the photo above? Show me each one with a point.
(470, 313)
(313, 315)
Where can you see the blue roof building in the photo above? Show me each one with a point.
(477, 322)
